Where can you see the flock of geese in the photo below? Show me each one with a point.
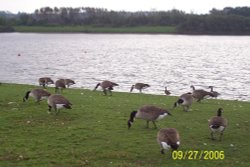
(168, 138)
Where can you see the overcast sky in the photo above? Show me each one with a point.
(195, 6)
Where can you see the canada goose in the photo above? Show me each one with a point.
(217, 124)
(59, 84)
(167, 92)
(215, 94)
(106, 85)
(148, 113)
(45, 81)
(168, 138)
(69, 82)
(185, 100)
(139, 86)
(200, 94)
(57, 102)
(37, 94)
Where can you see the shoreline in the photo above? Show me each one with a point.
(88, 29)
(126, 92)
(97, 30)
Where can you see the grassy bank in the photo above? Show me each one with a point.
(93, 29)
(94, 132)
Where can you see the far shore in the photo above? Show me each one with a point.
(95, 29)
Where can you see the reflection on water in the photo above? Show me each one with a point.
(176, 61)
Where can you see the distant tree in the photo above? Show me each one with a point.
(226, 21)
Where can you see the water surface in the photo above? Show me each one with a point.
(175, 61)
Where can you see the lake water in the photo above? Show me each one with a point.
(175, 61)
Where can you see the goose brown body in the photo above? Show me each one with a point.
(106, 85)
(45, 81)
(217, 124)
(59, 85)
(69, 82)
(148, 113)
(57, 102)
(139, 86)
(215, 94)
(185, 100)
(168, 138)
(200, 94)
(37, 94)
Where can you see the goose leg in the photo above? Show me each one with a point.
(57, 111)
(154, 124)
(110, 90)
(147, 126)
(38, 100)
(212, 136)
(221, 134)
(105, 92)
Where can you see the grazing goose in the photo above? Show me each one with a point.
(69, 82)
(60, 84)
(200, 94)
(45, 81)
(37, 94)
(58, 102)
(215, 94)
(168, 138)
(106, 85)
(139, 86)
(217, 124)
(148, 113)
(185, 100)
(166, 91)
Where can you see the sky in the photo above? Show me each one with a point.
(188, 6)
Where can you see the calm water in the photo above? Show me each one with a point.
(176, 61)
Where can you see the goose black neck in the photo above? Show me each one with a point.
(132, 116)
(219, 112)
(97, 86)
(26, 97)
(132, 87)
(211, 89)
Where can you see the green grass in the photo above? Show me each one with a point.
(94, 132)
(94, 29)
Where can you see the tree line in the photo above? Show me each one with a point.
(226, 21)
